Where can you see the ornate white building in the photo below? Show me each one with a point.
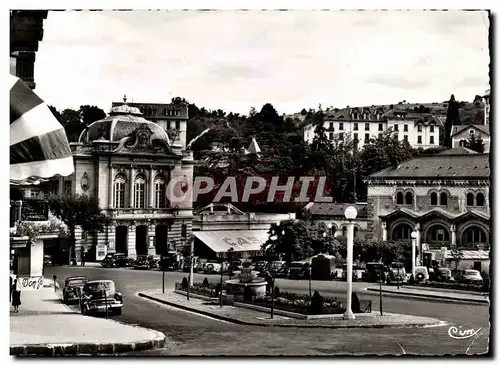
(444, 198)
(421, 130)
(128, 163)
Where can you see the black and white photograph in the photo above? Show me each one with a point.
(242, 182)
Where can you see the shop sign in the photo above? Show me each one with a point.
(29, 283)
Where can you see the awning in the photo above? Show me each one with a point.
(221, 241)
(38, 143)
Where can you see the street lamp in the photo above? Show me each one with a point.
(350, 214)
(413, 252)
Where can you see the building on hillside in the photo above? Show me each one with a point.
(218, 227)
(487, 107)
(128, 162)
(331, 215)
(444, 198)
(171, 117)
(461, 133)
(421, 130)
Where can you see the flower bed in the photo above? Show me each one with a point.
(459, 286)
(296, 303)
(200, 289)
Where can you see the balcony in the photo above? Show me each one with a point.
(142, 213)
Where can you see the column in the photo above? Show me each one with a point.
(131, 240)
(110, 187)
(453, 230)
(419, 245)
(151, 187)
(131, 190)
(111, 238)
(384, 231)
(151, 239)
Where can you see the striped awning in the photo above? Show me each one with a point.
(39, 147)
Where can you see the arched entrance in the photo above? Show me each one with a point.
(474, 237)
(437, 236)
(402, 232)
(121, 239)
(141, 240)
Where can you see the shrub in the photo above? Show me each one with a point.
(184, 283)
(205, 283)
(316, 303)
(276, 292)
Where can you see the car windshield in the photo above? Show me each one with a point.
(142, 258)
(108, 256)
(76, 282)
(109, 286)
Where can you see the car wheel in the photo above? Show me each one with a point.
(117, 311)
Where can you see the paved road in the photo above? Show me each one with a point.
(196, 335)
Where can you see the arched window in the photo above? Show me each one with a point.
(120, 186)
(474, 236)
(438, 234)
(470, 199)
(399, 198)
(434, 199)
(480, 199)
(443, 199)
(344, 231)
(139, 191)
(409, 198)
(159, 192)
(402, 232)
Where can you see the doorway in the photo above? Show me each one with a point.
(121, 240)
(141, 240)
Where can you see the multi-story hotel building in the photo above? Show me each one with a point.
(421, 130)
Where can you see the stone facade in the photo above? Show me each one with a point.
(131, 173)
(444, 198)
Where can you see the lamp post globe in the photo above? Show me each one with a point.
(351, 212)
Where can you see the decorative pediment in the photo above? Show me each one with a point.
(143, 140)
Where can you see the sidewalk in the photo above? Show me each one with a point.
(45, 326)
(245, 316)
(433, 293)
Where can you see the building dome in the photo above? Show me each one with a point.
(122, 121)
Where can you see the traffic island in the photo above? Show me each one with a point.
(246, 315)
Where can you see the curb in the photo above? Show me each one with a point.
(289, 325)
(84, 348)
(430, 296)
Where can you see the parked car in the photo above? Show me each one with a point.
(471, 276)
(99, 296)
(116, 260)
(375, 271)
(262, 266)
(73, 288)
(168, 262)
(154, 261)
(357, 272)
(397, 273)
(298, 270)
(212, 266)
(277, 268)
(421, 274)
(443, 274)
(142, 262)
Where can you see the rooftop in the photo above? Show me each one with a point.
(459, 128)
(336, 209)
(452, 164)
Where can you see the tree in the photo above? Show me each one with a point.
(456, 256)
(77, 210)
(452, 118)
(90, 114)
(475, 143)
(290, 239)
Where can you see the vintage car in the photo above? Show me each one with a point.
(99, 296)
(142, 262)
(397, 274)
(357, 272)
(115, 260)
(154, 261)
(73, 286)
(374, 272)
(212, 266)
(471, 277)
(298, 270)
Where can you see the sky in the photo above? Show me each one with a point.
(234, 60)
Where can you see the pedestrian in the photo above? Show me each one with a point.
(10, 287)
(83, 257)
(16, 296)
